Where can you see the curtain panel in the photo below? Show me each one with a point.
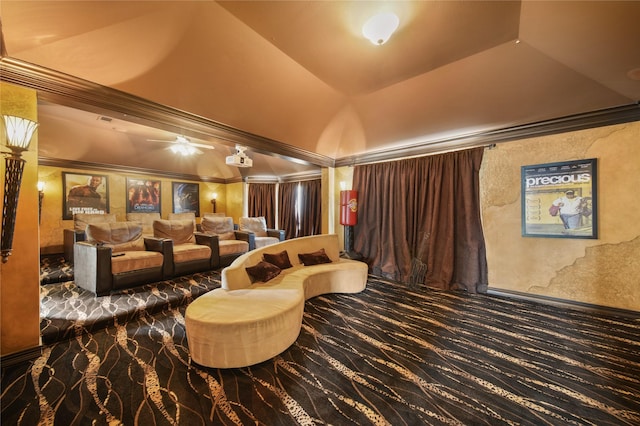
(299, 207)
(287, 198)
(262, 200)
(310, 208)
(425, 208)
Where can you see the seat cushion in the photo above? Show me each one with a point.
(190, 251)
(81, 220)
(120, 236)
(136, 260)
(257, 225)
(180, 231)
(233, 247)
(265, 241)
(220, 226)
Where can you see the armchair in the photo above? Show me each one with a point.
(189, 251)
(80, 222)
(260, 236)
(116, 256)
(229, 243)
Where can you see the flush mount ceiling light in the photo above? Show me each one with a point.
(379, 28)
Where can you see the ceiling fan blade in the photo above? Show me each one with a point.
(160, 140)
(200, 145)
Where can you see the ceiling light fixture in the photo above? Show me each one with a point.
(380, 27)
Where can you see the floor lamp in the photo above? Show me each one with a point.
(19, 132)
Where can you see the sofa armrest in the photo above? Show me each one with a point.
(247, 236)
(278, 233)
(244, 236)
(70, 237)
(213, 243)
(92, 267)
(163, 246)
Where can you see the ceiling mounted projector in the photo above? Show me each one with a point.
(240, 158)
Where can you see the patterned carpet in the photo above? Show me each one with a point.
(387, 356)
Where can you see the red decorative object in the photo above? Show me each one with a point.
(348, 208)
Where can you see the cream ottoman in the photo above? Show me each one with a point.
(239, 328)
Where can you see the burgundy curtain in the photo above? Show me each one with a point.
(310, 217)
(425, 208)
(307, 196)
(262, 199)
(287, 196)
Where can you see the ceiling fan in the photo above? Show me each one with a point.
(183, 146)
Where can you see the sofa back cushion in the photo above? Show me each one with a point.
(144, 219)
(221, 226)
(183, 216)
(120, 236)
(257, 225)
(180, 231)
(81, 220)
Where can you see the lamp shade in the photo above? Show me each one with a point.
(19, 132)
(379, 28)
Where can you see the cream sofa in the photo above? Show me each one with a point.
(244, 322)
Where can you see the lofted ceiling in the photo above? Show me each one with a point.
(300, 74)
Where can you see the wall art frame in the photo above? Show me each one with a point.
(144, 195)
(185, 197)
(84, 193)
(560, 200)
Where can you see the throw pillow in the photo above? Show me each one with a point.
(263, 271)
(281, 260)
(315, 258)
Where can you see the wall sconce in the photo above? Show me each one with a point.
(40, 197)
(214, 196)
(379, 28)
(19, 132)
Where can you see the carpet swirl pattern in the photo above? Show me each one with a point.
(387, 356)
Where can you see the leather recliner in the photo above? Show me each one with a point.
(116, 256)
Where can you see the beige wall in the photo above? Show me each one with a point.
(601, 271)
(19, 277)
(52, 223)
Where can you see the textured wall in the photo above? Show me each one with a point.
(603, 271)
(19, 292)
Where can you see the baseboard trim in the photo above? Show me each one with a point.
(20, 357)
(564, 303)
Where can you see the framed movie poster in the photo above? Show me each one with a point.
(143, 195)
(84, 193)
(560, 199)
(186, 198)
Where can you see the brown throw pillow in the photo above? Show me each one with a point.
(315, 258)
(281, 260)
(263, 271)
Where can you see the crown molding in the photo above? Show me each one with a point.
(605, 117)
(63, 89)
(81, 165)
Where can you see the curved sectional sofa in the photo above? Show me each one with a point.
(247, 322)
